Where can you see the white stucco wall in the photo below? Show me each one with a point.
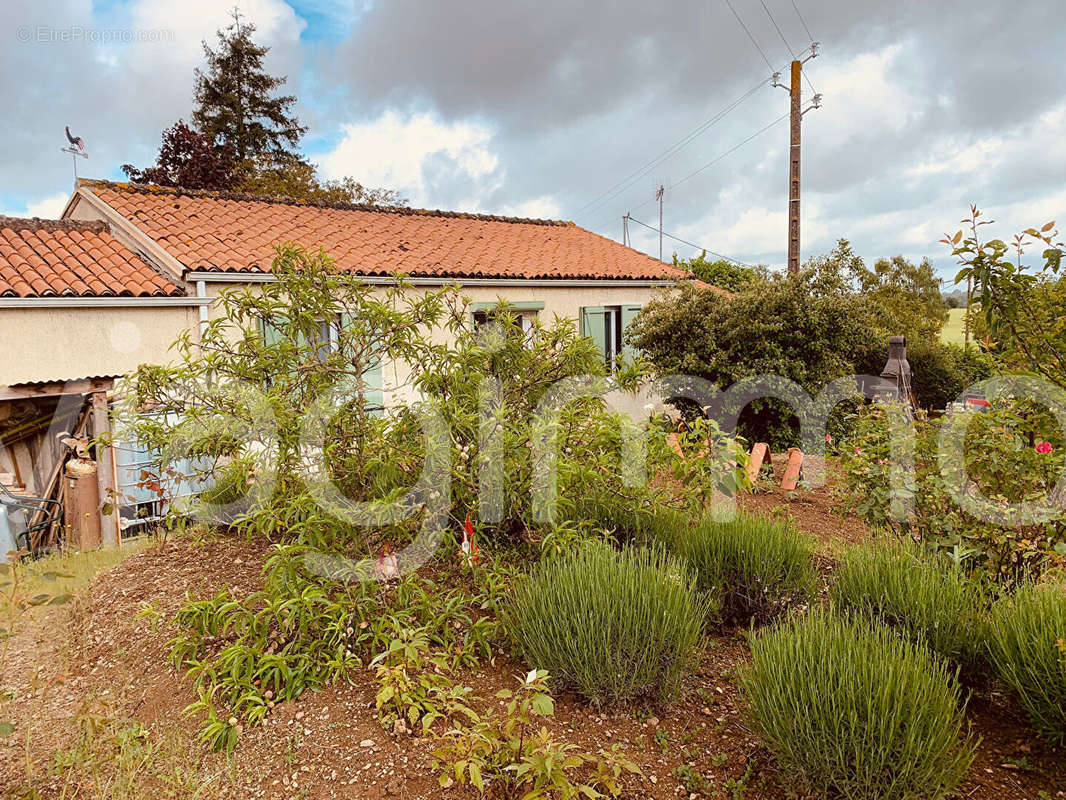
(561, 301)
(56, 344)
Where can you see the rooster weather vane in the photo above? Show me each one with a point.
(76, 148)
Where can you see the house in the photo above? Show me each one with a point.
(78, 307)
(129, 268)
(205, 241)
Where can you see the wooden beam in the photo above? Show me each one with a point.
(29, 391)
(105, 471)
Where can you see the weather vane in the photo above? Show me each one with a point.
(76, 148)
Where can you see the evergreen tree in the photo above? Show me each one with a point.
(244, 138)
(235, 104)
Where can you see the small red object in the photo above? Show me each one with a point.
(387, 567)
(471, 553)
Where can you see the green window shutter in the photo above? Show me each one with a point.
(271, 335)
(593, 326)
(375, 386)
(374, 393)
(629, 313)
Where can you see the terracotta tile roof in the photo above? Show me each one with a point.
(236, 232)
(65, 258)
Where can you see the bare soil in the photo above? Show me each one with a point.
(106, 655)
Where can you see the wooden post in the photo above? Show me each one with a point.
(795, 143)
(105, 472)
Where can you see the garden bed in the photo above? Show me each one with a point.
(100, 666)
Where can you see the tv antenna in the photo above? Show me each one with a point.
(659, 196)
(76, 148)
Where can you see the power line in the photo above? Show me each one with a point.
(808, 79)
(730, 151)
(810, 37)
(614, 191)
(745, 27)
(690, 244)
(778, 29)
(630, 179)
(803, 21)
(717, 158)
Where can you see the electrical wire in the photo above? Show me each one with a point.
(713, 161)
(802, 21)
(778, 29)
(745, 27)
(690, 244)
(810, 37)
(608, 195)
(730, 151)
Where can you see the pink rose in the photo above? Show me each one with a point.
(1044, 447)
(828, 438)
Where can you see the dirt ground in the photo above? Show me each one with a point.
(96, 672)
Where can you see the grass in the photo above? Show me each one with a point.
(758, 567)
(69, 573)
(852, 710)
(928, 602)
(611, 624)
(954, 331)
(1027, 648)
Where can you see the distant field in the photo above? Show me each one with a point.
(955, 328)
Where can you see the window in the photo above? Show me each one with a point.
(327, 339)
(524, 313)
(606, 326)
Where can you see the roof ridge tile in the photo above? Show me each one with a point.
(249, 197)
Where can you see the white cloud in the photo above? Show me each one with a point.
(864, 92)
(194, 21)
(49, 207)
(543, 207)
(395, 149)
(953, 157)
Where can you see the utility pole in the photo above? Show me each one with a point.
(794, 153)
(659, 196)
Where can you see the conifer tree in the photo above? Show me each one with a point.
(235, 104)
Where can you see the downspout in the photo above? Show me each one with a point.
(201, 292)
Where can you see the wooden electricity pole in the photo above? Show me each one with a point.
(796, 113)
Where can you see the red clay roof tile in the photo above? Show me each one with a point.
(234, 233)
(47, 258)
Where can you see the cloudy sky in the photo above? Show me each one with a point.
(560, 108)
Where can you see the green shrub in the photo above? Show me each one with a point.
(941, 372)
(759, 567)
(612, 624)
(1027, 648)
(927, 601)
(1002, 463)
(851, 709)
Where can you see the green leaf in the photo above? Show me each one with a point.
(475, 777)
(59, 600)
(6, 728)
(40, 599)
(543, 705)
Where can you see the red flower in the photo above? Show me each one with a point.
(471, 553)
(1044, 447)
